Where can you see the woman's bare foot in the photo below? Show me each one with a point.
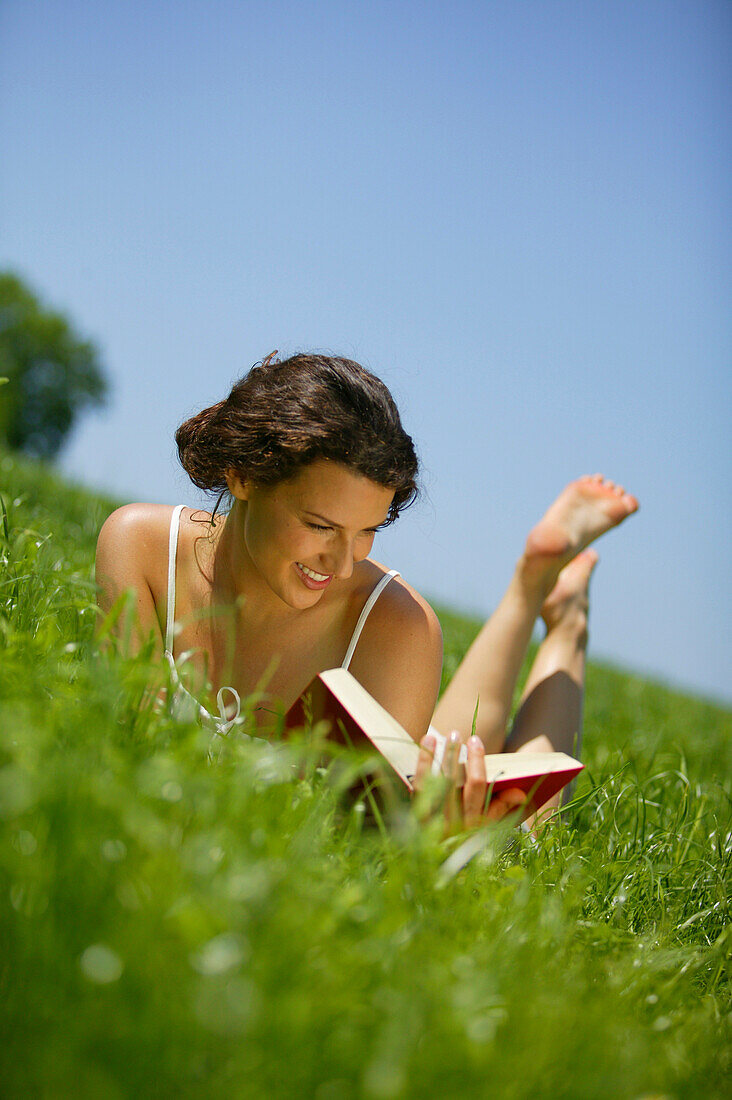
(581, 513)
(569, 598)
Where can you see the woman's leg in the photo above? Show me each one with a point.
(488, 673)
(549, 718)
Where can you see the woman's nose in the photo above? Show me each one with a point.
(343, 560)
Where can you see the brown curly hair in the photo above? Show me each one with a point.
(283, 415)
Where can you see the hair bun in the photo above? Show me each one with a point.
(286, 414)
(196, 441)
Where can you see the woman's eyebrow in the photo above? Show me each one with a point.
(323, 519)
(331, 523)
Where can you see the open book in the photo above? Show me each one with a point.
(356, 718)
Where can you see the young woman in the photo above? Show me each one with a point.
(315, 458)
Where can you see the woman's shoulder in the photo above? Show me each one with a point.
(136, 525)
(133, 544)
(132, 554)
(402, 613)
(411, 611)
(398, 658)
(134, 541)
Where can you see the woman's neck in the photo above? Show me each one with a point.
(236, 582)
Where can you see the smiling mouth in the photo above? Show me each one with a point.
(317, 577)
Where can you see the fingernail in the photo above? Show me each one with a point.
(429, 742)
(454, 737)
(476, 741)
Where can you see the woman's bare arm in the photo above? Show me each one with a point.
(128, 542)
(398, 658)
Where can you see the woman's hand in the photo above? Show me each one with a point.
(466, 808)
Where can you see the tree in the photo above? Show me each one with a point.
(52, 374)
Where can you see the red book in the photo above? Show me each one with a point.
(355, 718)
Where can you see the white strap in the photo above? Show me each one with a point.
(172, 554)
(365, 614)
(226, 723)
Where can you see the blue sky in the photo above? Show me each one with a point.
(517, 214)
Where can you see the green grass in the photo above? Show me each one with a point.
(173, 925)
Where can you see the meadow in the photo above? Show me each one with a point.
(178, 922)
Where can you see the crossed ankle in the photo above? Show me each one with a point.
(573, 624)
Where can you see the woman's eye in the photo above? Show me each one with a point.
(368, 534)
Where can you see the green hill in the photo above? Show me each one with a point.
(177, 922)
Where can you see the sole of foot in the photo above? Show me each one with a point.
(586, 509)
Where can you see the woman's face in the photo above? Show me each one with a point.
(304, 534)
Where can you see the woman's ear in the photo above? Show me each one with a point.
(238, 488)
